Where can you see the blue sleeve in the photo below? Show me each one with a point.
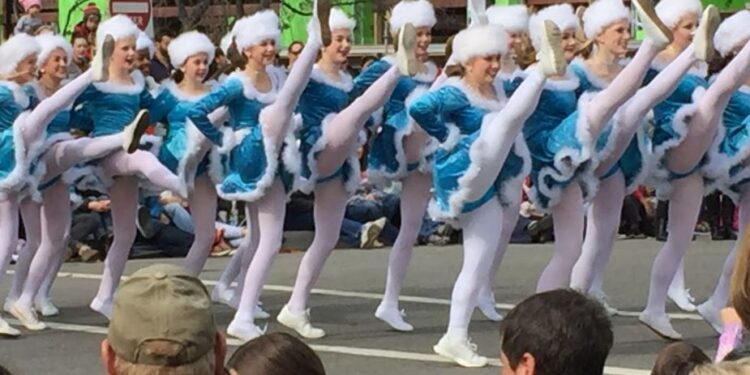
(650, 75)
(432, 109)
(160, 106)
(80, 116)
(220, 96)
(367, 77)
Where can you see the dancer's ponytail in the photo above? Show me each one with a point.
(740, 289)
(235, 56)
(454, 69)
(178, 75)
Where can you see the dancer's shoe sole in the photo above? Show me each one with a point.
(665, 335)
(135, 130)
(551, 56)
(703, 40)
(323, 10)
(652, 24)
(406, 56)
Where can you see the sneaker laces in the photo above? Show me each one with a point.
(263, 330)
(689, 296)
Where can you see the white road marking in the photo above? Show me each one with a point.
(346, 350)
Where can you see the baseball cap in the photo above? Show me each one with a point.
(162, 316)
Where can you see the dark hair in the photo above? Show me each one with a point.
(277, 353)
(4, 371)
(162, 33)
(78, 35)
(236, 57)
(740, 289)
(679, 358)
(737, 354)
(294, 43)
(565, 331)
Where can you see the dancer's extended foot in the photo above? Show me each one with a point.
(370, 232)
(551, 56)
(479, 10)
(703, 39)
(131, 135)
(300, 323)
(463, 352)
(245, 331)
(406, 57)
(45, 307)
(394, 318)
(100, 64)
(27, 316)
(7, 331)
(711, 315)
(104, 308)
(660, 325)
(654, 28)
(486, 305)
(683, 299)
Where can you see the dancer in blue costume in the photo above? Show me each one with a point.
(607, 23)
(401, 151)
(261, 103)
(624, 149)
(329, 141)
(728, 162)
(481, 159)
(45, 212)
(680, 174)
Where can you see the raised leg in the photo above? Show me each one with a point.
(147, 165)
(64, 155)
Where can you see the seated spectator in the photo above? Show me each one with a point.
(560, 332)
(679, 359)
(741, 367)
(92, 16)
(184, 341)
(275, 354)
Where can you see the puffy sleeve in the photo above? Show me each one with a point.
(368, 76)
(220, 96)
(433, 110)
(159, 106)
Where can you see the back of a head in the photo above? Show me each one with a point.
(566, 333)
(275, 354)
(740, 289)
(679, 359)
(739, 367)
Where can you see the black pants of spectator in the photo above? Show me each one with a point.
(634, 221)
(719, 212)
(167, 241)
(86, 227)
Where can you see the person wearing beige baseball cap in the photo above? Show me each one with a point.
(162, 323)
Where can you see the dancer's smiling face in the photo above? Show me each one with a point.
(124, 56)
(569, 44)
(683, 31)
(614, 38)
(481, 70)
(196, 67)
(263, 53)
(26, 70)
(56, 65)
(341, 45)
(424, 38)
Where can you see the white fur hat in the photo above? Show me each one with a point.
(671, 11)
(562, 15)
(144, 42)
(603, 13)
(479, 41)
(339, 20)
(733, 32)
(119, 26)
(513, 18)
(49, 42)
(189, 44)
(225, 42)
(15, 50)
(254, 29)
(419, 13)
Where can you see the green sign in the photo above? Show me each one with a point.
(727, 5)
(295, 14)
(70, 13)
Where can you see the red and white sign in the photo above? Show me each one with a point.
(140, 11)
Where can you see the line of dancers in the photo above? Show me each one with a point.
(460, 139)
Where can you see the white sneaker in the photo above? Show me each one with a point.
(45, 307)
(550, 55)
(222, 294)
(660, 325)
(683, 299)
(711, 315)
(653, 27)
(394, 318)
(487, 307)
(27, 317)
(703, 39)
(463, 352)
(8, 331)
(102, 308)
(604, 301)
(370, 232)
(300, 323)
(8, 303)
(260, 313)
(406, 57)
(244, 331)
(100, 63)
(131, 135)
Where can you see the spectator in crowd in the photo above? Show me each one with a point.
(89, 232)
(184, 341)
(87, 27)
(32, 18)
(560, 332)
(275, 354)
(679, 359)
(217, 65)
(161, 68)
(719, 212)
(637, 215)
(81, 53)
(295, 48)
